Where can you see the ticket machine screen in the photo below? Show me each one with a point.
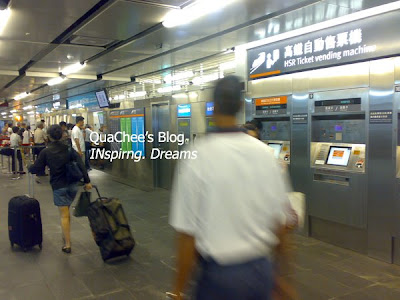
(277, 148)
(339, 156)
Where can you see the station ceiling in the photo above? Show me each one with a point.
(125, 38)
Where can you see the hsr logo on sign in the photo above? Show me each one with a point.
(270, 59)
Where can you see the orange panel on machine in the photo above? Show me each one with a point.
(271, 101)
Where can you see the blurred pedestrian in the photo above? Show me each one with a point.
(228, 207)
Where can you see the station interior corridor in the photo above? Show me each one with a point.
(320, 271)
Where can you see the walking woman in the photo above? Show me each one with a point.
(56, 156)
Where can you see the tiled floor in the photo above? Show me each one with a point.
(320, 271)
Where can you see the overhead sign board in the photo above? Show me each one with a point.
(347, 43)
(82, 101)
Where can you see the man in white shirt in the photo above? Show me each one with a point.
(228, 207)
(78, 141)
(15, 143)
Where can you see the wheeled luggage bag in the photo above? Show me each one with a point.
(24, 220)
(110, 227)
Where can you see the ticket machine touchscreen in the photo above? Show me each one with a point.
(339, 156)
(277, 148)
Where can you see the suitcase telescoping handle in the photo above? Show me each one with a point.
(31, 185)
(97, 190)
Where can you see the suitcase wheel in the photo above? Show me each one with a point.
(12, 244)
(40, 246)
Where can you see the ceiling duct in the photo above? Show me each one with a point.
(90, 41)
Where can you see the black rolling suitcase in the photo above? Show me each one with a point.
(110, 227)
(24, 220)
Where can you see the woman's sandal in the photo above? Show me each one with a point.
(66, 250)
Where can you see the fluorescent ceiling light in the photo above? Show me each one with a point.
(27, 107)
(137, 94)
(194, 11)
(178, 76)
(10, 116)
(193, 95)
(180, 96)
(378, 10)
(4, 17)
(73, 68)
(21, 96)
(13, 111)
(55, 81)
(155, 81)
(205, 78)
(3, 113)
(31, 112)
(227, 65)
(169, 89)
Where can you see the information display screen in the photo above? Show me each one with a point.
(277, 148)
(339, 156)
(184, 110)
(102, 99)
(209, 109)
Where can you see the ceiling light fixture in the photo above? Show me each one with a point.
(55, 81)
(4, 17)
(180, 96)
(205, 78)
(137, 94)
(27, 107)
(3, 113)
(21, 96)
(169, 89)
(194, 11)
(73, 68)
(178, 76)
(227, 65)
(13, 111)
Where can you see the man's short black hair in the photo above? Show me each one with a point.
(62, 123)
(79, 119)
(15, 129)
(227, 96)
(55, 132)
(257, 123)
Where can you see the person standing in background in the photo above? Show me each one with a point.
(39, 139)
(9, 129)
(65, 136)
(77, 138)
(44, 126)
(231, 233)
(15, 143)
(27, 138)
(4, 131)
(88, 131)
